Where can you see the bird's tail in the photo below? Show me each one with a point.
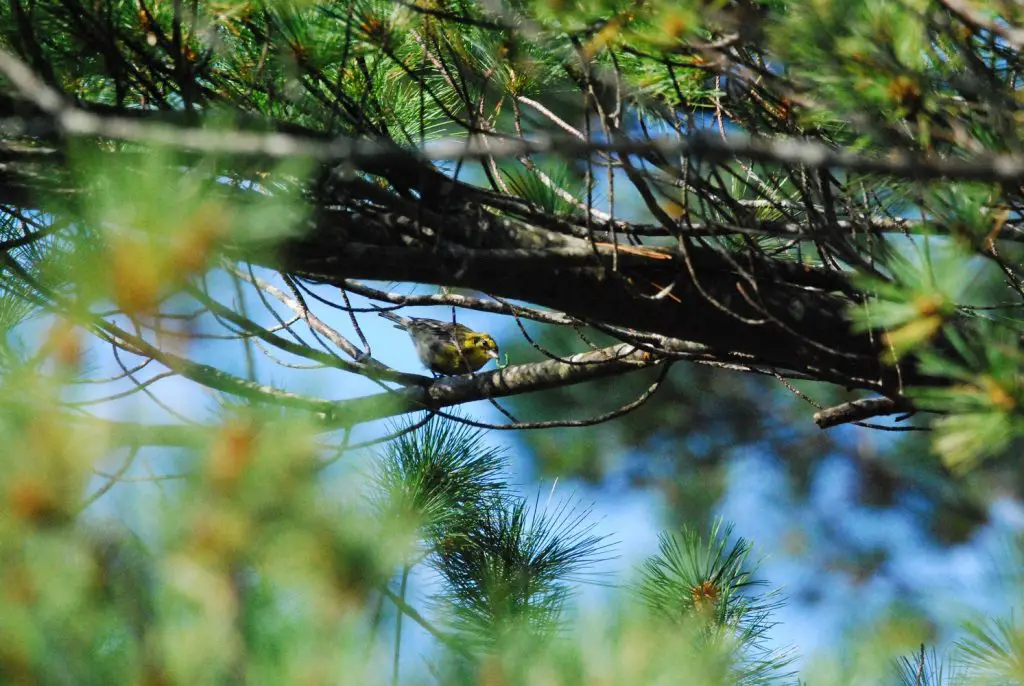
(400, 322)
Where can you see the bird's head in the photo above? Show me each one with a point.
(482, 343)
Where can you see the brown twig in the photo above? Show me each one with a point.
(857, 410)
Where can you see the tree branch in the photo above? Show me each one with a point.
(704, 145)
(515, 380)
(859, 410)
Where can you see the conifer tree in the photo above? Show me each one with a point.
(813, 191)
(216, 200)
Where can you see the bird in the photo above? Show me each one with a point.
(446, 348)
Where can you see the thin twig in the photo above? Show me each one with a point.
(112, 479)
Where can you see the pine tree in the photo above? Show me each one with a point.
(577, 164)
(224, 195)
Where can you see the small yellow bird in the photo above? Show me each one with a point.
(444, 347)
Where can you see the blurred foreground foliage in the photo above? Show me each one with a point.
(257, 568)
(257, 571)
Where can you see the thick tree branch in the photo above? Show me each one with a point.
(815, 338)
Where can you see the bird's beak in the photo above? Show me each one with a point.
(493, 354)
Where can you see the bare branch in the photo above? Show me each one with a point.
(459, 300)
(112, 479)
(515, 380)
(858, 410)
(1008, 168)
